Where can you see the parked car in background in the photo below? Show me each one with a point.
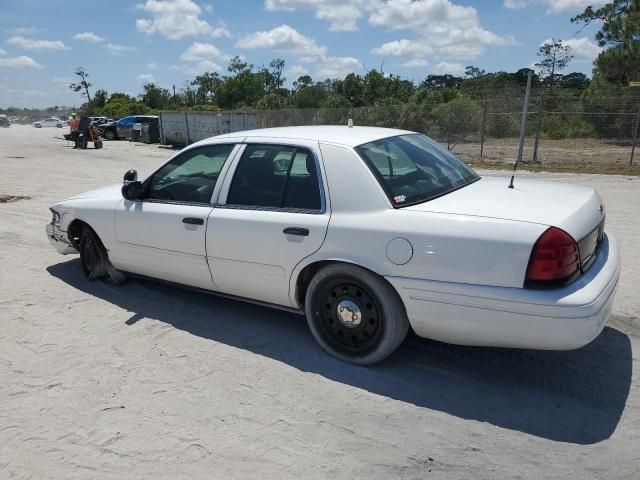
(49, 122)
(100, 120)
(122, 128)
(368, 231)
(4, 121)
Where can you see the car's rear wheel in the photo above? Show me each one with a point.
(354, 314)
(37, 125)
(109, 135)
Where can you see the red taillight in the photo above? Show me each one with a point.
(554, 259)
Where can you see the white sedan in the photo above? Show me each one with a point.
(367, 231)
(50, 122)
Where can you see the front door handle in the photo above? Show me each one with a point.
(193, 221)
(304, 232)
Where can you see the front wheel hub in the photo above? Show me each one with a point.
(349, 313)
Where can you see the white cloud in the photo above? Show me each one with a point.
(2, 52)
(515, 4)
(338, 67)
(115, 49)
(202, 51)
(582, 49)
(176, 19)
(152, 66)
(556, 6)
(221, 31)
(442, 28)
(416, 63)
(20, 62)
(208, 8)
(288, 40)
(145, 78)
(297, 71)
(88, 37)
(27, 30)
(283, 39)
(446, 67)
(32, 44)
(197, 68)
(342, 15)
(404, 47)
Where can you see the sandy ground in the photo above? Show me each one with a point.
(146, 381)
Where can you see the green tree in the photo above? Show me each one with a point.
(555, 57)
(83, 85)
(156, 97)
(206, 85)
(619, 62)
(457, 119)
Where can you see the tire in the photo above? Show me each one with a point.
(109, 135)
(93, 256)
(354, 314)
(38, 125)
(94, 259)
(59, 125)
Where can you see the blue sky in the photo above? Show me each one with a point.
(124, 44)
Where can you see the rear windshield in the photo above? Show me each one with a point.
(413, 168)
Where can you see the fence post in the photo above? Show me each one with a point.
(635, 137)
(538, 127)
(484, 122)
(523, 126)
(186, 125)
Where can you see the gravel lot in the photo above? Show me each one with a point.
(146, 381)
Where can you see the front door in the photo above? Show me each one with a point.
(272, 215)
(163, 235)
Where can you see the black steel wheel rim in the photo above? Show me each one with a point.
(348, 316)
(88, 255)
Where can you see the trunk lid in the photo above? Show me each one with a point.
(575, 209)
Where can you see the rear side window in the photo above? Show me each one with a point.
(414, 168)
(276, 176)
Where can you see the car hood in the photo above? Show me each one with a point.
(575, 209)
(112, 191)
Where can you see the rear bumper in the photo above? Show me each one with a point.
(59, 239)
(561, 319)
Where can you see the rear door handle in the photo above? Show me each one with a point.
(193, 221)
(304, 232)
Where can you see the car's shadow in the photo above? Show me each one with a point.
(575, 396)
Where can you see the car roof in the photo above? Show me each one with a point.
(343, 135)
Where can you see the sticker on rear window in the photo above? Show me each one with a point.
(400, 199)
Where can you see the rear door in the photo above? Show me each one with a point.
(163, 235)
(272, 214)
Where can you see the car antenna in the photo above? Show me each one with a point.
(523, 126)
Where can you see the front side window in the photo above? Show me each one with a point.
(413, 168)
(189, 177)
(276, 176)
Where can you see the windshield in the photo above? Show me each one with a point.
(413, 168)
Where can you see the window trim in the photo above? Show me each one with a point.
(389, 194)
(234, 166)
(216, 187)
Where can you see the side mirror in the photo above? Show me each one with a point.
(132, 190)
(130, 176)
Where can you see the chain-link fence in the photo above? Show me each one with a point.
(560, 129)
